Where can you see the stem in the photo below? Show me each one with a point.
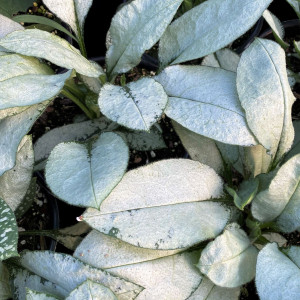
(69, 95)
(74, 90)
(47, 233)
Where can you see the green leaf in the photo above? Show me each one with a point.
(90, 290)
(266, 96)
(42, 44)
(135, 28)
(43, 21)
(11, 7)
(229, 261)
(164, 274)
(297, 46)
(207, 290)
(15, 182)
(9, 232)
(296, 6)
(280, 197)
(277, 276)
(5, 291)
(72, 12)
(85, 174)
(151, 206)
(246, 193)
(295, 149)
(138, 105)
(14, 125)
(205, 101)
(207, 28)
(54, 267)
(34, 295)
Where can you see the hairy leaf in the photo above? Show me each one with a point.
(151, 206)
(280, 196)
(229, 261)
(207, 28)
(204, 100)
(42, 44)
(90, 290)
(277, 276)
(295, 149)
(7, 25)
(134, 29)
(15, 124)
(8, 232)
(266, 96)
(34, 295)
(163, 274)
(137, 105)
(85, 174)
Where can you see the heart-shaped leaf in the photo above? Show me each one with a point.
(134, 29)
(205, 100)
(85, 174)
(229, 261)
(151, 206)
(266, 96)
(9, 232)
(42, 44)
(277, 275)
(207, 28)
(137, 105)
(164, 274)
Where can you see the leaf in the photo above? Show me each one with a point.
(72, 12)
(205, 101)
(11, 7)
(200, 148)
(277, 28)
(42, 44)
(15, 182)
(207, 290)
(295, 149)
(280, 195)
(163, 274)
(277, 277)
(9, 232)
(246, 193)
(14, 124)
(224, 58)
(296, 6)
(5, 291)
(151, 206)
(54, 267)
(44, 21)
(90, 290)
(207, 28)
(137, 105)
(85, 174)
(135, 28)
(34, 295)
(229, 260)
(67, 133)
(266, 96)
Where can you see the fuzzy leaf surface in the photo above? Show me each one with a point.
(57, 265)
(136, 28)
(277, 276)
(15, 182)
(207, 28)
(295, 149)
(15, 124)
(34, 295)
(9, 232)
(151, 206)
(266, 96)
(137, 105)
(42, 44)
(281, 195)
(207, 290)
(205, 100)
(7, 26)
(164, 274)
(90, 290)
(229, 261)
(85, 174)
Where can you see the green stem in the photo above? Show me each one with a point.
(48, 233)
(74, 90)
(69, 95)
